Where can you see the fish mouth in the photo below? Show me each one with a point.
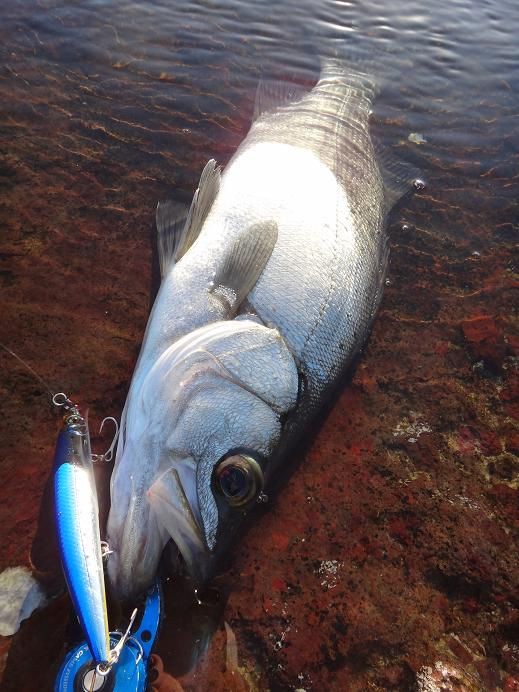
(174, 501)
(139, 530)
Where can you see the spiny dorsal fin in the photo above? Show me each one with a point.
(203, 199)
(271, 95)
(177, 228)
(244, 263)
(170, 219)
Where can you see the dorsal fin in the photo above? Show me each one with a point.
(400, 179)
(244, 262)
(203, 199)
(178, 228)
(170, 219)
(271, 95)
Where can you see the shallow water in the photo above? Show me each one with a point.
(394, 539)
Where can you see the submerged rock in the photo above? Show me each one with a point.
(416, 138)
(445, 677)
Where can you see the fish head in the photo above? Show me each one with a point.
(198, 435)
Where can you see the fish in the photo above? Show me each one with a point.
(78, 530)
(270, 284)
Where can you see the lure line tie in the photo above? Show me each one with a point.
(61, 400)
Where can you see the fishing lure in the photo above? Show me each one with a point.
(111, 664)
(77, 521)
(103, 661)
(77, 525)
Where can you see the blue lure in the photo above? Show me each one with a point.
(77, 523)
(106, 661)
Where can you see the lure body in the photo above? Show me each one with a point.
(77, 523)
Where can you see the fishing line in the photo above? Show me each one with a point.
(60, 399)
(31, 370)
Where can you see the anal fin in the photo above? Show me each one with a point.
(399, 178)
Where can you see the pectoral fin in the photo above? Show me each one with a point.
(244, 262)
(178, 228)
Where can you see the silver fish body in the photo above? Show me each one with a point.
(269, 289)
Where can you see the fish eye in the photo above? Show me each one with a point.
(239, 479)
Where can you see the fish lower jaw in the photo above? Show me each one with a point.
(199, 570)
(125, 583)
(127, 589)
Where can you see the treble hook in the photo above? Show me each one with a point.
(108, 455)
(104, 669)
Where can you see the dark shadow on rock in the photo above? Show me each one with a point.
(191, 617)
(37, 649)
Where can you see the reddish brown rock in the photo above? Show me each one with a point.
(489, 674)
(511, 684)
(461, 652)
(485, 340)
(480, 329)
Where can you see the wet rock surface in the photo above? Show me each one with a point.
(388, 560)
